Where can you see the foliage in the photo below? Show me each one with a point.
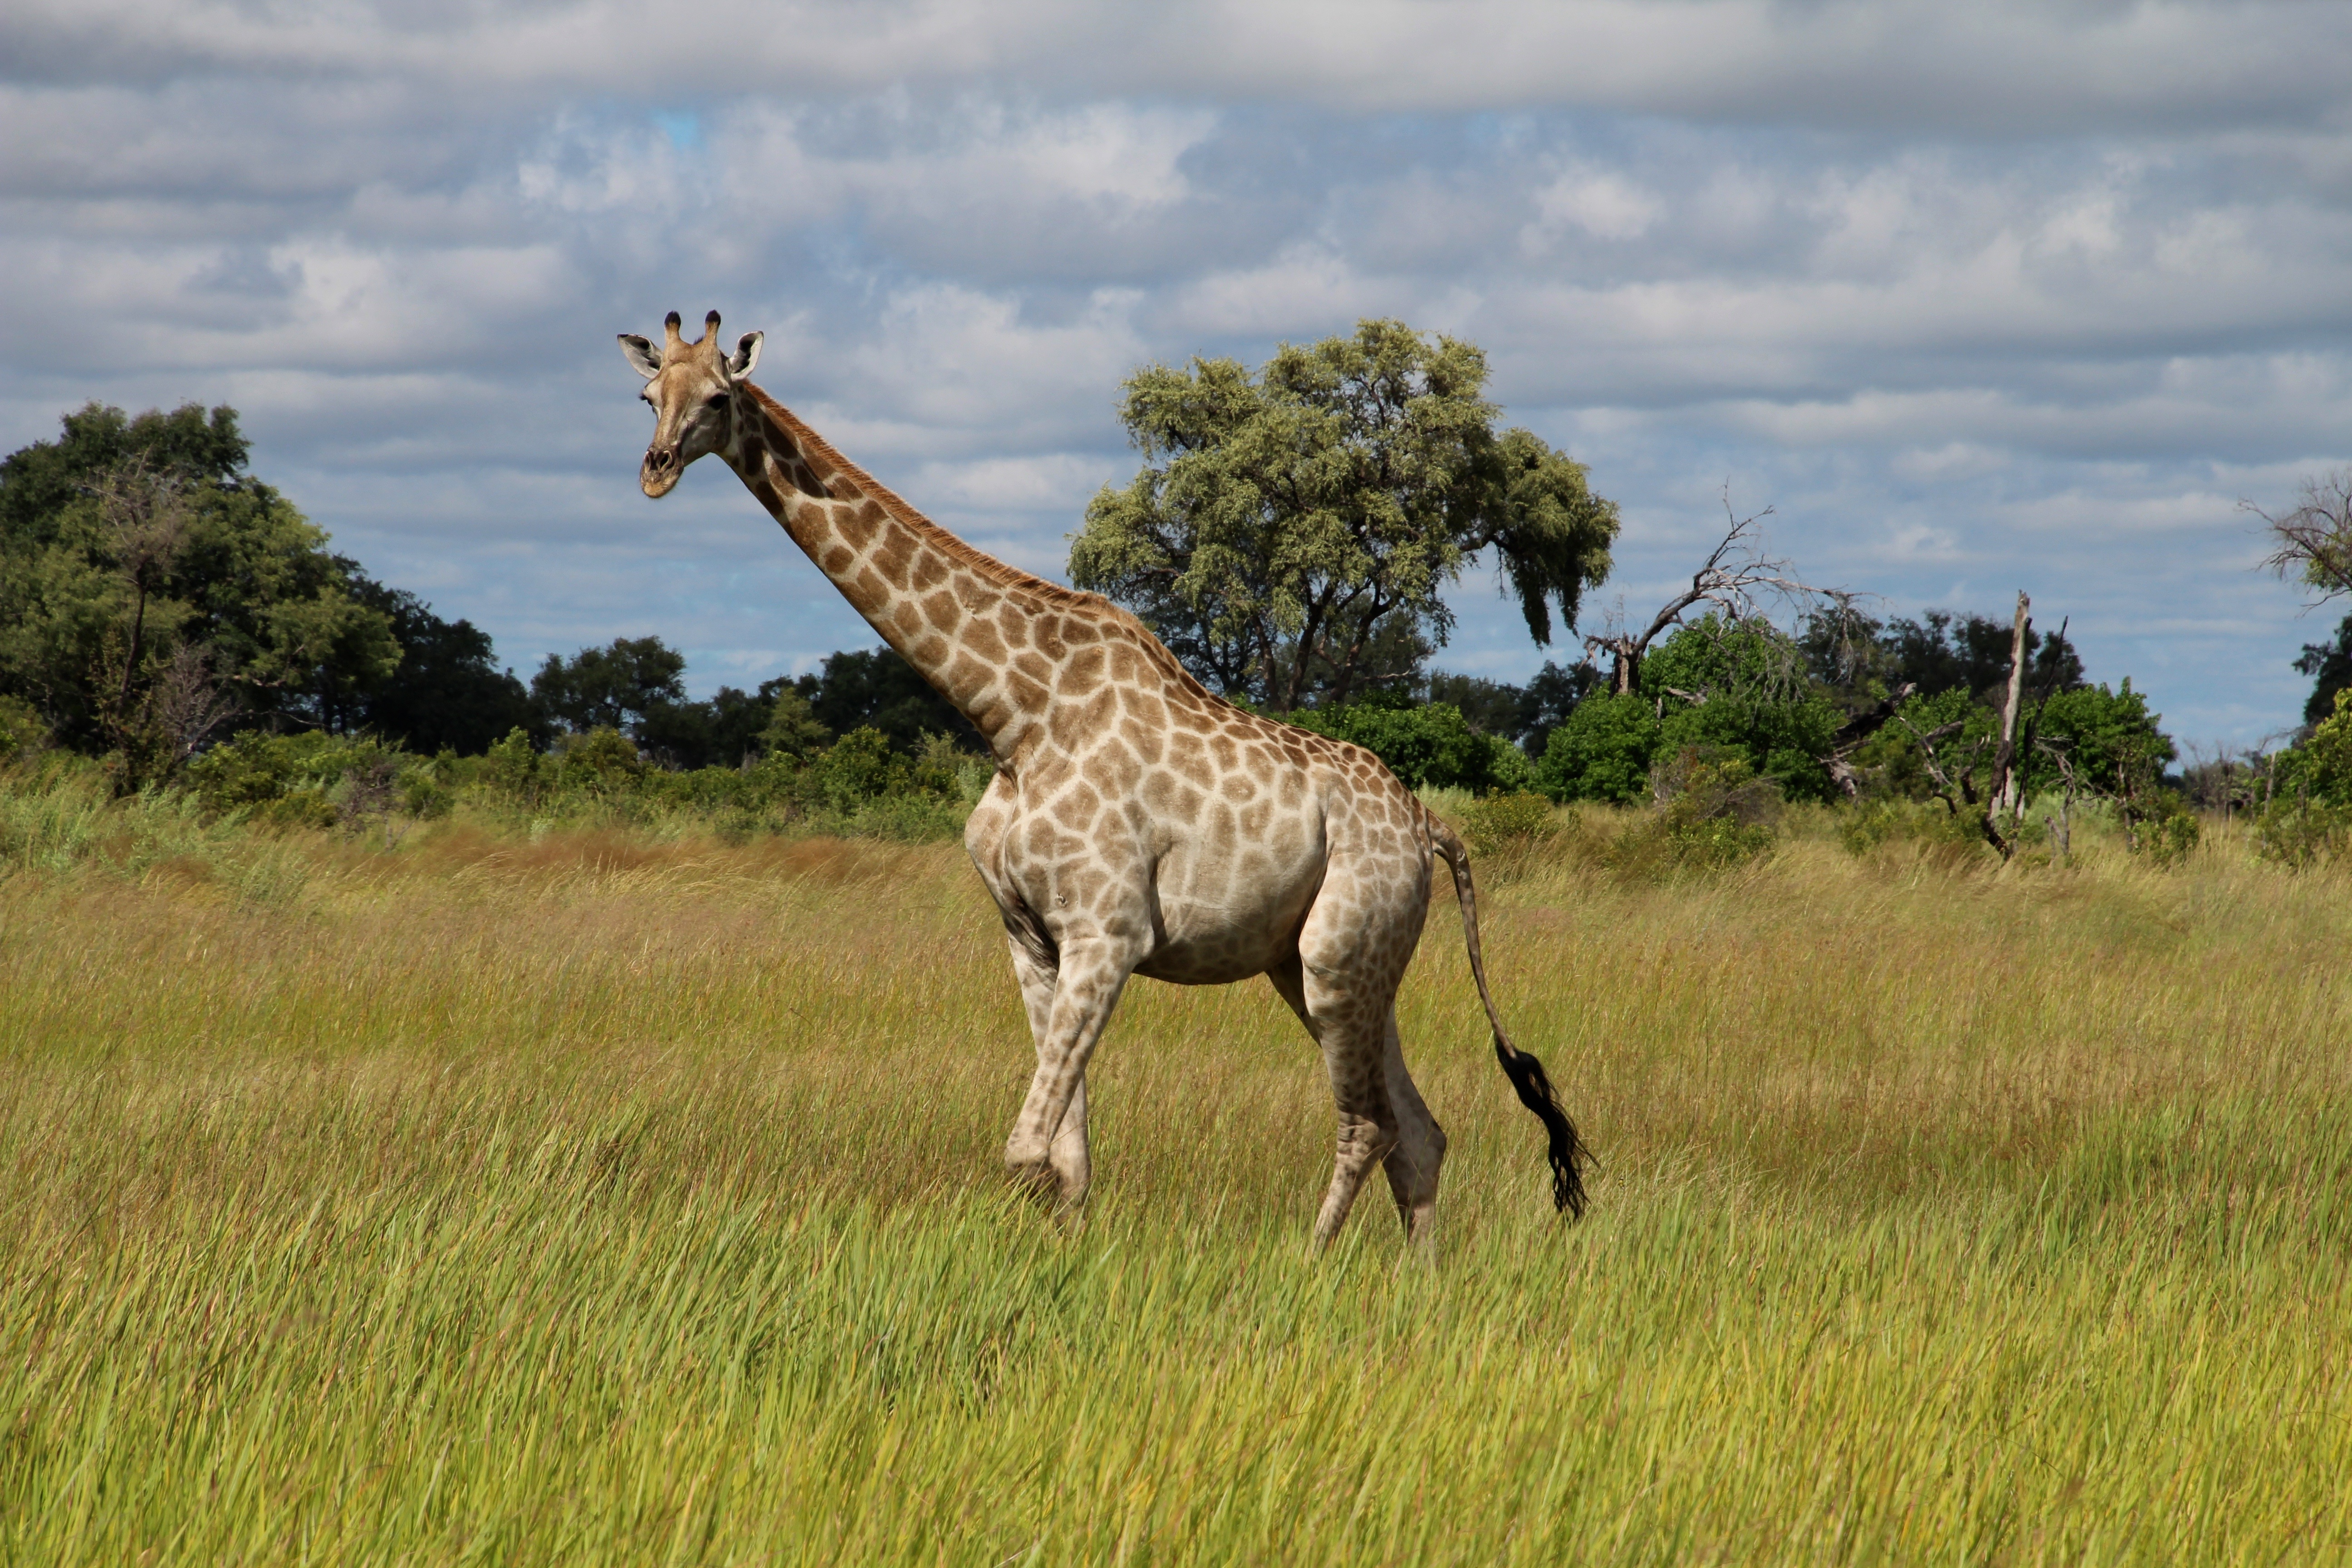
(151, 588)
(637, 687)
(1603, 752)
(2164, 829)
(1861, 659)
(1716, 686)
(2308, 818)
(2298, 831)
(2329, 664)
(447, 693)
(311, 779)
(858, 785)
(610, 687)
(2109, 739)
(1865, 825)
(877, 689)
(1506, 822)
(22, 733)
(792, 728)
(1712, 811)
(1741, 687)
(1289, 534)
(2312, 541)
(2324, 761)
(1426, 745)
(1525, 714)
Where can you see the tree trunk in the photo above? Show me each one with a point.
(2004, 792)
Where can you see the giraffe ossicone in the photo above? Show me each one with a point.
(1137, 824)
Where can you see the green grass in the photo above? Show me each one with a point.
(600, 1200)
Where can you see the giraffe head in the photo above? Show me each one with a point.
(692, 389)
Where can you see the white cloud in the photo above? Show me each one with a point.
(1600, 202)
(1973, 294)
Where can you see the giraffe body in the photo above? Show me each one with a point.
(1137, 824)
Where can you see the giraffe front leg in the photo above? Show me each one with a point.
(1067, 1155)
(1048, 1149)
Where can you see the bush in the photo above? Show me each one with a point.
(1427, 745)
(2301, 832)
(2322, 764)
(1603, 753)
(1865, 826)
(2163, 828)
(22, 733)
(1712, 811)
(1502, 822)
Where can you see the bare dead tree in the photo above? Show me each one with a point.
(1950, 793)
(1737, 579)
(2058, 754)
(1850, 736)
(2314, 541)
(185, 706)
(145, 513)
(2006, 797)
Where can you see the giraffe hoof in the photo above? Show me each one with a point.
(1036, 1177)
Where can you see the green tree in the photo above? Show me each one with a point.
(448, 692)
(2109, 739)
(610, 687)
(1425, 744)
(2324, 761)
(152, 591)
(2329, 664)
(1741, 686)
(1289, 534)
(876, 688)
(1861, 659)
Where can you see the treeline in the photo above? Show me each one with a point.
(167, 614)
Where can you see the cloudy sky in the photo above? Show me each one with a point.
(1977, 298)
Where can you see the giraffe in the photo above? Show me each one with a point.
(1137, 824)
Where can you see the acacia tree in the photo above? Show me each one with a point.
(1290, 532)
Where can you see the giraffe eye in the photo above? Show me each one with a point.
(715, 400)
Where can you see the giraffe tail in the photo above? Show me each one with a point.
(1564, 1150)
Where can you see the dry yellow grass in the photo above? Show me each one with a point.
(601, 1200)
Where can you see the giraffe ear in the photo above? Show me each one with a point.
(746, 355)
(642, 356)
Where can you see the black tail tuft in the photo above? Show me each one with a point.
(1565, 1152)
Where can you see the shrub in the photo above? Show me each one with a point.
(1603, 753)
(1427, 745)
(1712, 811)
(2302, 832)
(2163, 828)
(601, 761)
(293, 779)
(1502, 822)
(1865, 826)
(22, 733)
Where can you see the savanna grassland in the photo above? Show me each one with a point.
(609, 1198)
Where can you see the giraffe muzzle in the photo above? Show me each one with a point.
(659, 471)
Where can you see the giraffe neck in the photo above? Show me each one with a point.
(967, 622)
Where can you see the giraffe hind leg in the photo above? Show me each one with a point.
(1413, 1165)
(1351, 1041)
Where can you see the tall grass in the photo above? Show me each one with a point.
(605, 1200)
